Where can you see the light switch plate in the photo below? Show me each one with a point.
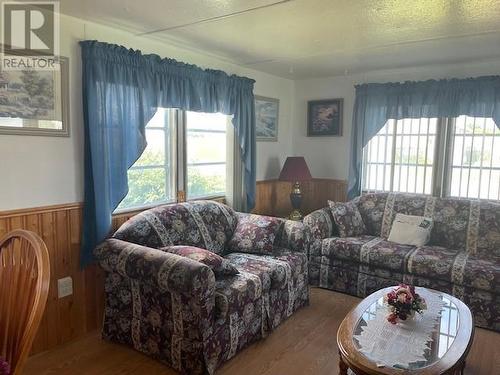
(64, 287)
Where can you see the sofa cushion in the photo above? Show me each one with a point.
(273, 270)
(374, 251)
(406, 204)
(234, 293)
(220, 266)
(488, 233)
(457, 267)
(348, 248)
(255, 234)
(205, 224)
(462, 224)
(347, 218)
(451, 223)
(371, 206)
(258, 274)
(433, 261)
(482, 273)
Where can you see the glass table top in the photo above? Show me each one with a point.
(443, 335)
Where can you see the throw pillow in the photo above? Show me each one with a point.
(255, 234)
(347, 218)
(220, 266)
(411, 230)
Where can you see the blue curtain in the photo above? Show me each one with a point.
(376, 103)
(122, 90)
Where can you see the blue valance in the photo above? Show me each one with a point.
(122, 89)
(378, 102)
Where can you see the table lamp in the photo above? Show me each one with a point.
(295, 170)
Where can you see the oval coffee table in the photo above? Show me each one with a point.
(452, 339)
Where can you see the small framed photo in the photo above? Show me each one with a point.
(266, 118)
(324, 117)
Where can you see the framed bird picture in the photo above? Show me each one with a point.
(324, 117)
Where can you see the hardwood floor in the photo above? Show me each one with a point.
(305, 344)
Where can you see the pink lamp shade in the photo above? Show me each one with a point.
(295, 169)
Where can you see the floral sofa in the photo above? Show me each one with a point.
(175, 309)
(462, 257)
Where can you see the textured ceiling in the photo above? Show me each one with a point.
(312, 38)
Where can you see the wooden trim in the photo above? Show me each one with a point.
(40, 210)
(67, 318)
(273, 196)
(76, 205)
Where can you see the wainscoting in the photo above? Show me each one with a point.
(73, 316)
(60, 227)
(273, 196)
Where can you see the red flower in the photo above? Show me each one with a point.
(392, 318)
(403, 302)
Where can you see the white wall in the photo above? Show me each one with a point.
(328, 157)
(39, 171)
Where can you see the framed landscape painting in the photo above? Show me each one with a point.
(324, 117)
(266, 118)
(35, 102)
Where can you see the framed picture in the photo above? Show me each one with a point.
(266, 118)
(324, 117)
(35, 102)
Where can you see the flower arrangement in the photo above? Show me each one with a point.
(4, 367)
(403, 302)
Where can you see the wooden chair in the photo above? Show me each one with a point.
(24, 286)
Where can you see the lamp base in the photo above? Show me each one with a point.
(296, 200)
(295, 215)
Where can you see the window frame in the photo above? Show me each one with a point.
(170, 149)
(176, 146)
(442, 163)
(448, 167)
(182, 128)
(392, 162)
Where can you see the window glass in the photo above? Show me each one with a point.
(401, 157)
(156, 175)
(151, 179)
(206, 139)
(474, 168)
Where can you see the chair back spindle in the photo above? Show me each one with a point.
(24, 286)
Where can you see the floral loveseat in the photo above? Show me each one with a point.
(462, 257)
(175, 309)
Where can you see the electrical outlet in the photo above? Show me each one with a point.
(64, 287)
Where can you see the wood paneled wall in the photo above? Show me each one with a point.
(273, 196)
(60, 227)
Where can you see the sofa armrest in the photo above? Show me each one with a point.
(293, 236)
(319, 223)
(169, 272)
(318, 226)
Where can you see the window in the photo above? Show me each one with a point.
(474, 165)
(151, 180)
(206, 135)
(401, 157)
(457, 157)
(186, 151)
